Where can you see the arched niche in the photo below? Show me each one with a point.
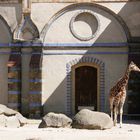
(5, 32)
(26, 30)
(5, 39)
(109, 27)
(98, 67)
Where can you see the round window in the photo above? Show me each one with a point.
(84, 25)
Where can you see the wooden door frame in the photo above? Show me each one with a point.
(73, 83)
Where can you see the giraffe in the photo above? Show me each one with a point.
(117, 94)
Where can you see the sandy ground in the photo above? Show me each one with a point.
(130, 131)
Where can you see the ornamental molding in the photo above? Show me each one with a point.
(79, 5)
(80, 37)
(10, 1)
(75, 1)
(26, 26)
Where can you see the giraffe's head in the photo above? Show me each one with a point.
(133, 67)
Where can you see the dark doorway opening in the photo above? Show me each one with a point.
(85, 88)
(133, 95)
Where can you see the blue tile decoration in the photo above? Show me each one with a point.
(14, 80)
(35, 105)
(35, 92)
(35, 80)
(14, 92)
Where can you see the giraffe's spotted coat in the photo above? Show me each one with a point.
(117, 94)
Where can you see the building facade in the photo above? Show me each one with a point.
(64, 55)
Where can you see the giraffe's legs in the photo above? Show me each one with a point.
(111, 113)
(121, 113)
(115, 115)
(111, 107)
(121, 106)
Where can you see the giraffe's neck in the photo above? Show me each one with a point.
(121, 84)
(126, 77)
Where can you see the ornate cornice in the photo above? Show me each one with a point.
(10, 1)
(65, 1)
(75, 1)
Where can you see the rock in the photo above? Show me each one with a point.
(55, 120)
(2, 120)
(2, 108)
(42, 124)
(11, 118)
(87, 119)
(12, 121)
(21, 119)
(10, 112)
(7, 111)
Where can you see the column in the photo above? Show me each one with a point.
(14, 80)
(35, 80)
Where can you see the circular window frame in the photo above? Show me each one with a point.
(72, 26)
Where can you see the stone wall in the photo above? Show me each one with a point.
(116, 23)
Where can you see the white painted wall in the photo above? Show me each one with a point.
(54, 66)
(11, 13)
(54, 75)
(129, 11)
(109, 29)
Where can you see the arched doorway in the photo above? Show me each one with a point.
(85, 85)
(70, 71)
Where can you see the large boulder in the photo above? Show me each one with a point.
(87, 119)
(7, 111)
(22, 120)
(12, 121)
(55, 120)
(2, 120)
(11, 118)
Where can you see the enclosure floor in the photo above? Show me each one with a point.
(129, 131)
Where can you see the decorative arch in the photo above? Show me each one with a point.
(26, 28)
(8, 27)
(90, 60)
(75, 5)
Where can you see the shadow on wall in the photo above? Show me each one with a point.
(55, 102)
(63, 95)
(35, 85)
